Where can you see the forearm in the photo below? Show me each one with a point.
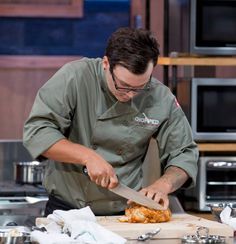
(173, 179)
(66, 151)
(99, 170)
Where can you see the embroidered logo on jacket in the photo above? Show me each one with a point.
(146, 120)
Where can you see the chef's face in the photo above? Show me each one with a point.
(123, 84)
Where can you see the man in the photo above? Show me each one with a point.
(101, 114)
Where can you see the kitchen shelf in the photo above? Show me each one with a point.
(186, 60)
(217, 147)
(173, 62)
(197, 61)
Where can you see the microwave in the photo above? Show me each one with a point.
(213, 109)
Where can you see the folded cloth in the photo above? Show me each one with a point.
(52, 227)
(80, 226)
(91, 232)
(49, 238)
(226, 218)
(61, 216)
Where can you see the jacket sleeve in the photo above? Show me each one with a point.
(51, 114)
(176, 144)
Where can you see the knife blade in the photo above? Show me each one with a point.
(135, 196)
(130, 194)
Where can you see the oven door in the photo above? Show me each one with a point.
(220, 180)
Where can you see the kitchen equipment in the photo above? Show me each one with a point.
(132, 195)
(213, 121)
(25, 200)
(177, 227)
(215, 183)
(217, 208)
(148, 235)
(14, 235)
(202, 236)
(29, 172)
(19, 202)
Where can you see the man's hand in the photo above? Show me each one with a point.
(157, 192)
(173, 179)
(99, 170)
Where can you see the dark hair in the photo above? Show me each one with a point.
(132, 49)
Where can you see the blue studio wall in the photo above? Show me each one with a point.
(84, 36)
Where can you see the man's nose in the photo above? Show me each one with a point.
(131, 94)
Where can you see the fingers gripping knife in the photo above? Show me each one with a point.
(130, 194)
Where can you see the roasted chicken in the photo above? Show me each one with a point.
(140, 214)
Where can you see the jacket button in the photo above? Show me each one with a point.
(119, 151)
(125, 123)
(94, 147)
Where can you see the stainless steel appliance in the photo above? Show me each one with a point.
(213, 109)
(29, 172)
(205, 36)
(20, 204)
(216, 182)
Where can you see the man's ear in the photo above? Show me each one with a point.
(105, 63)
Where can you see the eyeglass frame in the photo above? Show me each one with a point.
(128, 89)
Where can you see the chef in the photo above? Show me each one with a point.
(100, 113)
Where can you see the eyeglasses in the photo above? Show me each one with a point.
(129, 89)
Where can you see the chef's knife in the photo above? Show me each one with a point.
(130, 194)
(136, 196)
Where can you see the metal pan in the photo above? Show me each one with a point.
(29, 172)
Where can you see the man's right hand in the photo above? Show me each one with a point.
(99, 170)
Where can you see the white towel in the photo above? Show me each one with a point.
(91, 232)
(226, 218)
(49, 238)
(61, 216)
(77, 226)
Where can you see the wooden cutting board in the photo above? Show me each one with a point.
(177, 227)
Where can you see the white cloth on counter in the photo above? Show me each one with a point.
(49, 238)
(92, 232)
(53, 227)
(226, 218)
(61, 216)
(75, 226)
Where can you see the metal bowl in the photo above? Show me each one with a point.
(6, 239)
(11, 235)
(217, 208)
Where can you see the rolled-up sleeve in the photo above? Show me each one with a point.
(51, 114)
(176, 144)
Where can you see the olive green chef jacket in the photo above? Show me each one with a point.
(76, 104)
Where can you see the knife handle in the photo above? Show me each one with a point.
(85, 170)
